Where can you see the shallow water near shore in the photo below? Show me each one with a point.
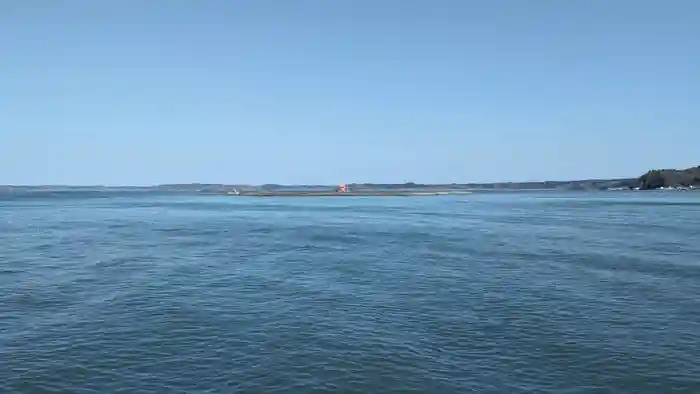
(485, 293)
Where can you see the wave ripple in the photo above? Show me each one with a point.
(516, 293)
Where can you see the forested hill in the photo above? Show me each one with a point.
(656, 179)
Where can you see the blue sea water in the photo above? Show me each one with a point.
(485, 293)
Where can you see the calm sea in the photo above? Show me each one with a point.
(486, 293)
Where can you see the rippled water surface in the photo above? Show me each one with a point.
(486, 293)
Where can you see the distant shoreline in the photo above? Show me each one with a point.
(686, 179)
(377, 193)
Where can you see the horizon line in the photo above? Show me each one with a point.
(349, 183)
(309, 184)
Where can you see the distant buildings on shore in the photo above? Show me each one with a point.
(676, 188)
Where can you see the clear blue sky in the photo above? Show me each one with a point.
(257, 91)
